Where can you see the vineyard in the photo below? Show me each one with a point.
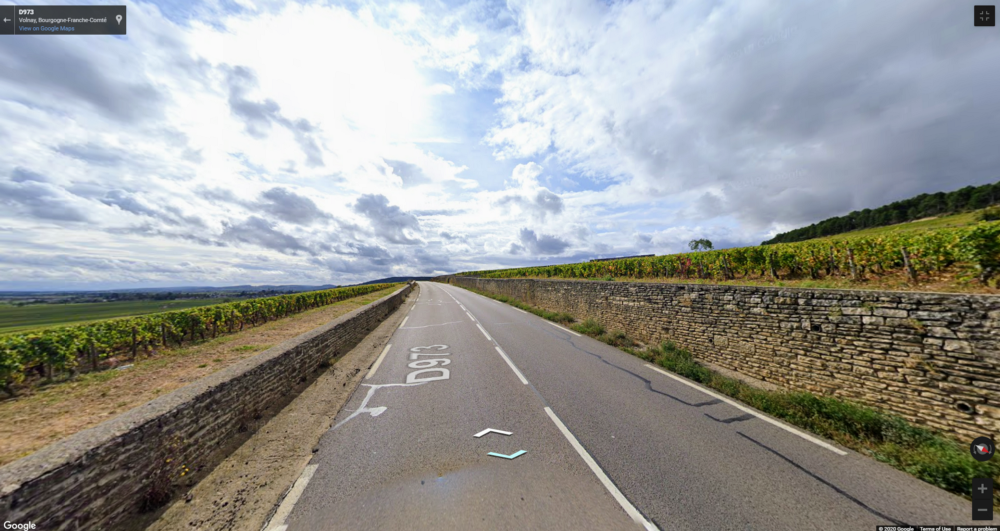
(60, 351)
(971, 253)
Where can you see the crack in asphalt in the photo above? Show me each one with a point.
(648, 382)
(740, 418)
(836, 489)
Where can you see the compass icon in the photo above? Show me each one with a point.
(982, 449)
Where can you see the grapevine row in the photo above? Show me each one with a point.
(974, 250)
(60, 350)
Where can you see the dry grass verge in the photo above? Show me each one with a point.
(30, 422)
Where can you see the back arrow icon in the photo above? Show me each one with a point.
(6, 20)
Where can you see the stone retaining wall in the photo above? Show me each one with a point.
(98, 477)
(932, 358)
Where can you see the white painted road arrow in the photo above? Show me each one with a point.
(511, 456)
(487, 430)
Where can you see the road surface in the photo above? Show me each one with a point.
(598, 439)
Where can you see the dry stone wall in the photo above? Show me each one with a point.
(96, 478)
(931, 358)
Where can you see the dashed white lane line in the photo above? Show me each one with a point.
(522, 311)
(278, 520)
(564, 328)
(512, 366)
(630, 509)
(503, 354)
(378, 361)
(401, 325)
(483, 330)
(753, 412)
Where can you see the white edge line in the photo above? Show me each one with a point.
(287, 504)
(751, 411)
(605, 480)
(401, 325)
(564, 328)
(378, 362)
(483, 330)
(520, 310)
(512, 366)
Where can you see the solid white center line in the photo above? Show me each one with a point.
(378, 361)
(278, 520)
(564, 328)
(753, 412)
(605, 480)
(512, 366)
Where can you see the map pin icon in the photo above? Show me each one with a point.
(119, 19)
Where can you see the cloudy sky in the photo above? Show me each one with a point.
(246, 141)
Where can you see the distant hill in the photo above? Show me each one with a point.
(276, 289)
(393, 279)
(621, 258)
(243, 287)
(919, 207)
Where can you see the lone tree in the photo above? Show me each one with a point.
(700, 245)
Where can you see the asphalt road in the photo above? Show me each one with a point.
(608, 442)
